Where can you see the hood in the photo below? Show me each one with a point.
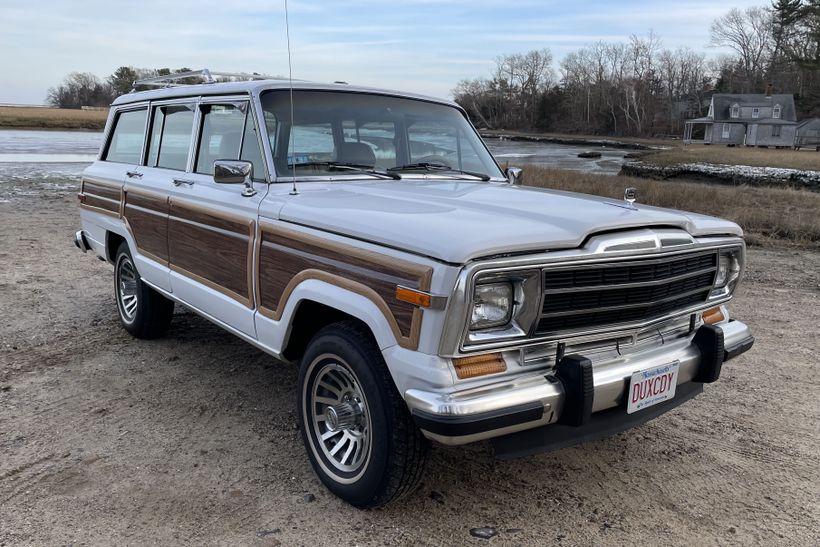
(457, 221)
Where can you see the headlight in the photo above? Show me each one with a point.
(729, 266)
(492, 305)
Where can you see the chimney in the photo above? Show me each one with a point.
(768, 90)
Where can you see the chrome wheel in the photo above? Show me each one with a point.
(127, 295)
(336, 408)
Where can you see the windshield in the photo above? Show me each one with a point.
(343, 133)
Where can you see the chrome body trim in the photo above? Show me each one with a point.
(610, 377)
(599, 250)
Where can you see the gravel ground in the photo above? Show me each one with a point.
(192, 439)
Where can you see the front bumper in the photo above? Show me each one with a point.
(577, 394)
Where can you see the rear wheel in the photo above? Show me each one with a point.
(143, 311)
(359, 436)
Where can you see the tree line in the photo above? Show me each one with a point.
(80, 89)
(640, 88)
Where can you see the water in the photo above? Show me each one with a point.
(560, 156)
(36, 162)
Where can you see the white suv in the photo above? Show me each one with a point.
(370, 237)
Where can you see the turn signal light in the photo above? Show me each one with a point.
(417, 298)
(713, 315)
(480, 365)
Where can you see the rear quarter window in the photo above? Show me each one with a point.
(125, 144)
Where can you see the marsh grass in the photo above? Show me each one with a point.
(770, 216)
(20, 117)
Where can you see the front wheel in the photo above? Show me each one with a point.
(143, 311)
(359, 436)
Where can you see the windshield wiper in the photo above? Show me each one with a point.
(342, 166)
(432, 166)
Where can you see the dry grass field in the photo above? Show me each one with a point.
(808, 160)
(21, 117)
(767, 215)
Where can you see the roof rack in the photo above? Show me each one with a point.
(205, 77)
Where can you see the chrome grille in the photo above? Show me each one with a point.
(631, 291)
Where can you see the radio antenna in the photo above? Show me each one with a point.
(293, 191)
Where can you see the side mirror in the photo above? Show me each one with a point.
(515, 175)
(235, 172)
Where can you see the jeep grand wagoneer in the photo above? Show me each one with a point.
(425, 294)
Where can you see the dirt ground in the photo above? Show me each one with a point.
(192, 439)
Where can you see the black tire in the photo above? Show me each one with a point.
(396, 452)
(143, 312)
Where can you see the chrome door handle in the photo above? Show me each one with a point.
(133, 174)
(180, 182)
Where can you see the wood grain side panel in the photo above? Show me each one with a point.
(149, 228)
(212, 249)
(99, 202)
(287, 257)
(192, 213)
(101, 189)
(101, 196)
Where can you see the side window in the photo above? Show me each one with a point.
(228, 133)
(125, 145)
(221, 135)
(311, 142)
(380, 137)
(171, 130)
(250, 148)
(433, 141)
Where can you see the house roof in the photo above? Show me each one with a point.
(811, 123)
(723, 103)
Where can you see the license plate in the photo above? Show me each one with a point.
(652, 386)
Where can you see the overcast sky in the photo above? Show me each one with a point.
(425, 46)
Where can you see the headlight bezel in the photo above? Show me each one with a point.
(726, 281)
(526, 301)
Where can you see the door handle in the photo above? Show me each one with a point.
(180, 182)
(133, 174)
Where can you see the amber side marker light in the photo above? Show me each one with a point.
(418, 298)
(712, 316)
(470, 367)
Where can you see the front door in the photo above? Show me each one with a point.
(212, 227)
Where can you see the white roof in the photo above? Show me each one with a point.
(254, 87)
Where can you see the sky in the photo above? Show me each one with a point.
(424, 46)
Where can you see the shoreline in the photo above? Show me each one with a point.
(725, 175)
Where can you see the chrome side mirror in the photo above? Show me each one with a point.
(515, 175)
(235, 172)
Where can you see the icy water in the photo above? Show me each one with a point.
(35, 162)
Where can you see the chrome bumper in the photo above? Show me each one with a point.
(539, 399)
(80, 241)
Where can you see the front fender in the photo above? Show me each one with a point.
(274, 333)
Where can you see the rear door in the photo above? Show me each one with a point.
(212, 227)
(147, 190)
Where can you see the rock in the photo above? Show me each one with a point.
(309, 498)
(5, 388)
(484, 532)
(587, 155)
(437, 497)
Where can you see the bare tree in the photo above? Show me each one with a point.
(749, 34)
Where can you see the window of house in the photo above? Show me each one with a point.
(125, 145)
(726, 130)
(171, 132)
(776, 111)
(755, 113)
(735, 111)
(776, 131)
